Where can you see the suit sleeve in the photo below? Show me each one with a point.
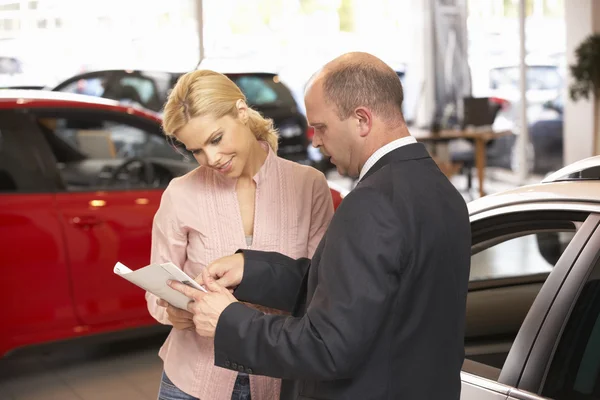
(169, 244)
(271, 279)
(357, 276)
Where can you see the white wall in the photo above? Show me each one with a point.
(582, 17)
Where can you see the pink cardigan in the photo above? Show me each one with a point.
(199, 221)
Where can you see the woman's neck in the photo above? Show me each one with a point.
(256, 159)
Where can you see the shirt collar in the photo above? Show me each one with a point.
(382, 151)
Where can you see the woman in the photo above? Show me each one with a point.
(242, 196)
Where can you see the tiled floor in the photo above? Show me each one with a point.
(127, 370)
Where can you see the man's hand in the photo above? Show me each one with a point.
(206, 308)
(227, 271)
(180, 319)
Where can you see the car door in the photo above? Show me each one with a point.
(35, 285)
(107, 206)
(513, 254)
(526, 253)
(564, 362)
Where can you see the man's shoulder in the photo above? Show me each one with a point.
(364, 198)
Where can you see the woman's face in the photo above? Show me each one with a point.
(223, 144)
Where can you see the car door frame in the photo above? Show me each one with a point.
(525, 339)
(550, 332)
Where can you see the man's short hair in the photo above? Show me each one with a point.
(355, 84)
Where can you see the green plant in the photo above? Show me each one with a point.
(586, 70)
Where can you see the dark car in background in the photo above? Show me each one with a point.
(149, 89)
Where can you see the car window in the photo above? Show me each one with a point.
(88, 86)
(264, 90)
(98, 153)
(575, 370)
(144, 88)
(20, 170)
(119, 86)
(530, 254)
(512, 257)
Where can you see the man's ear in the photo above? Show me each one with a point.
(242, 109)
(364, 120)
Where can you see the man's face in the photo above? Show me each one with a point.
(333, 136)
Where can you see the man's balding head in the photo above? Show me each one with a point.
(361, 80)
(354, 104)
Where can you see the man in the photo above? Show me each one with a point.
(379, 311)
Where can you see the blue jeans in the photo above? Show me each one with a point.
(168, 390)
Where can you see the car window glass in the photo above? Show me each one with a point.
(256, 90)
(575, 370)
(103, 154)
(21, 157)
(505, 279)
(136, 89)
(524, 255)
(264, 90)
(87, 86)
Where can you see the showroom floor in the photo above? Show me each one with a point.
(126, 370)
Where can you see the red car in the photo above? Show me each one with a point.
(80, 180)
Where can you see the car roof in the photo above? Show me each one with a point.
(19, 98)
(563, 186)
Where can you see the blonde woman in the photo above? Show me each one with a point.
(242, 196)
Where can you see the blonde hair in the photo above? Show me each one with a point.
(205, 92)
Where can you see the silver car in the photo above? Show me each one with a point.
(533, 309)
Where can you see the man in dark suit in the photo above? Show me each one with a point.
(379, 311)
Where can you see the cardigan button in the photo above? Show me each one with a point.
(249, 371)
(227, 363)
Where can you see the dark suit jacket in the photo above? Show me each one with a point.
(379, 312)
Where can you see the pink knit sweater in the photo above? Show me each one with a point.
(199, 221)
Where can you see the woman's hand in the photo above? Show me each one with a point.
(180, 319)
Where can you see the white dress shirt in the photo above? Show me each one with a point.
(382, 151)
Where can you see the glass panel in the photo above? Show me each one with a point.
(97, 154)
(525, 255)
